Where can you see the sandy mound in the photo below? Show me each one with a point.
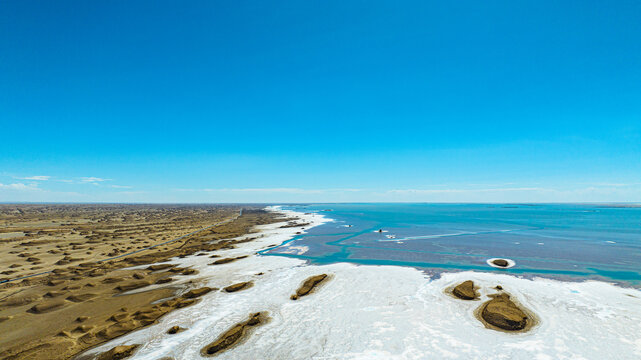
(17, 300)
(308, 285)
(234, 335)
(160, 267)
(174, 330)
(119, 352)
(132, 285)
(192, 294)
(81, 297)
(500, 263)
(238, 287)
(504, 313)
(227, 260)
(46, 306)
(465, 291)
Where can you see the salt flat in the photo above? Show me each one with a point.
(385, 312)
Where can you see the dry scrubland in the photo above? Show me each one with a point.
(78, 304)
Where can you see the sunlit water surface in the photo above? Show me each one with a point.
(559, 241)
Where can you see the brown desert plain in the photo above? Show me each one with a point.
(63, 269)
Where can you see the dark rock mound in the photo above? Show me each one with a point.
(222, 261)
(500, 262)
(234, 335)
(192, 294)
(465, 290)
(189, 272)
(160, 267)
(308, 285)
(503, 313)
(174, 330)
(119, 352)
(238, 287)
(227, 260)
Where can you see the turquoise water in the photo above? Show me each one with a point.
(559, 241)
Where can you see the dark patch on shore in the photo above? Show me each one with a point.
(465, 291)
(227, 260)
(118, 352)
(502, 313)
(235, 335)
(238, 287)
(500, 262)
(308, 285)
(174, 330)
(192, 294)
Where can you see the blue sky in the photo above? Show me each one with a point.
(310, 101)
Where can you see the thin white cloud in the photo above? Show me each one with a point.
(615, 184)
(272, 190)
(35, 178)
(462, 191)
(19, 187)
(91, 179)
(120, 186)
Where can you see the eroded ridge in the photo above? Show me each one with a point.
(234, 335)
(465, 291)
(504, 314)
(118, 352)
(498, 313)
(238, 286)
(308, 285)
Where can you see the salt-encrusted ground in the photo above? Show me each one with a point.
(386, 312)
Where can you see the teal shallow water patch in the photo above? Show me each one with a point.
(577, 241)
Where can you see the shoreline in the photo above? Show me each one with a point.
(394, 311)
(434, 270)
